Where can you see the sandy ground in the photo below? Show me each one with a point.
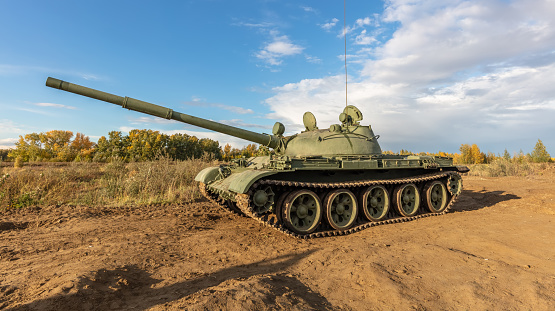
(496, 250)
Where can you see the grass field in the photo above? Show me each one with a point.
(108, 184)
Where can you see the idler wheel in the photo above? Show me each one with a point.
(263, 200)
(375, 203)
(436, 196)
(341, 209)
(455, 184)
(406, 199)
(302, 211)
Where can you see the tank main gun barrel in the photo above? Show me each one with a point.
(163, 112)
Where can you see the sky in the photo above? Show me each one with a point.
(427, 75)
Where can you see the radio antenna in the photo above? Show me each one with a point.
(345, 36)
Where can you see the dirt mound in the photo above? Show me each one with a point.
(267, 292)
(495, 250)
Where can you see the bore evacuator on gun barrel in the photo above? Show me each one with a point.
(320, 182)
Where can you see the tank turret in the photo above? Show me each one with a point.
(347, 138)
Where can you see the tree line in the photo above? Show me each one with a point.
(471, 154)
(138, 145)
(147, 145)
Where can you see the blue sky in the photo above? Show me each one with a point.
(428, 75)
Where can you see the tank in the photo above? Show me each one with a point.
(317, 183)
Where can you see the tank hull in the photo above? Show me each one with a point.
(264, 188)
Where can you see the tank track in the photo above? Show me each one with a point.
(245, 204)
(221, 202)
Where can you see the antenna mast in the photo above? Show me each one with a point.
(345, 36)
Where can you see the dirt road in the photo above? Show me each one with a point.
(496, 250)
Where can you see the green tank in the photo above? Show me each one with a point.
(320, 182)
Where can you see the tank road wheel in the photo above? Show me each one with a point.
(278, 210)
(341, 209)
(436, 196)
(263, 200)
(375, 203)
(406, 199)
(302, 211)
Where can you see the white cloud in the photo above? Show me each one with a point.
(8, 143)
(361, 22)
(280, 46)
(10, 69)
(198, 102)
(436, 41)
(8, 126)
(242, 124)
(54, 105)
(364, 39)
(459, 72)
(312, 59)
(329, 25)
(150, 120)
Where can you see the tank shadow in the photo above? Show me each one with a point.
(471, 200)
(130, 287)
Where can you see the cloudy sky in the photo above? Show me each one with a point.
(428, 75)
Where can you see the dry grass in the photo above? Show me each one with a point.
(161, 181)
(503, 167)
(111, 184)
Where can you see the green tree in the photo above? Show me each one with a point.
(145, 145)
(4, 154)
(211, 148)
(506, 155)
(466, 154)
(113, 147)
(540, 154)
(29, 148)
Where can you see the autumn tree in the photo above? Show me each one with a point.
(466, 154)
(52, 145)
(113, 147)
(82, 147)
(478, 157)
(226, 152)
(540, 154)
(249, 150)
(145, 145)
(263, 151)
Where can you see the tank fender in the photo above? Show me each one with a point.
(241, 182)
(209, 175)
